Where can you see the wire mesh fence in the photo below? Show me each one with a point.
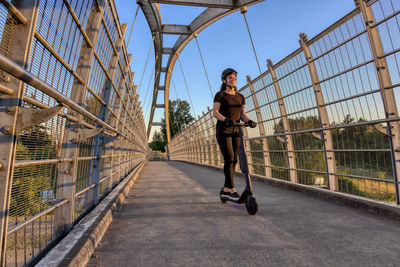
(327, 113)
(58, 160)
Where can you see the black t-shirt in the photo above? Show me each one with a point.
(231, 105)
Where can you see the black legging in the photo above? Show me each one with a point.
(229, 142)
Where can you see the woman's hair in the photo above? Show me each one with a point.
(225, 74)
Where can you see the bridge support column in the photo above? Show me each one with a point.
(386, 88)
(69, 170)
(323, 115)
(18, 51)
(118, 107)
(129, 109)
(266, 155)
(288, 138)
(100, 138)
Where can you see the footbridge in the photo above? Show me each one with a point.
(80, 186)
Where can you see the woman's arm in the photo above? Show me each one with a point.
(216, 114)
(243, 116)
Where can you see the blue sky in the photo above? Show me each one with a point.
(275, 26)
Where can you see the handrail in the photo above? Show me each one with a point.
(19, 72)
(37, 216)
(14, 11)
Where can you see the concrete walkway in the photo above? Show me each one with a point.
(173, 217)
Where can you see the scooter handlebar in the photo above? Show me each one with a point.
(241, 124)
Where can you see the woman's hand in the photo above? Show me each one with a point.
(229, 122)
(252, 124)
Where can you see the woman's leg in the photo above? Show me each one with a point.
(227, 150)
(235, 152)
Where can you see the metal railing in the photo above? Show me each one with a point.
(71, 126)
(327, 114)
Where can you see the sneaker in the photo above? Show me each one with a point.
(230, 196)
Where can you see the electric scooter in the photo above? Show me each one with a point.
(247, 195)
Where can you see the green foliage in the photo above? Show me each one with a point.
(298, 124)
(179, 117)
(158, 142)
(36, 144)
(26, 199)
(361, 137)
(363, 163)
(379, 190)
(40, 238)
(257, 157)
(28, 182)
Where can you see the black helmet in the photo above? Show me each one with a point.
(227, 72)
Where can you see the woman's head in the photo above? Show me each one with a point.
(228, 78)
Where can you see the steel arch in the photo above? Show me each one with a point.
(215, 11)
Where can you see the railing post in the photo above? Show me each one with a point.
(68, 170)
(198, 139)
(213, 147)
(117, 107)
(386, 88)
(266, 155)
(247, 149)
(126, 116)
(187, 146)
(202, 140)
(19, 51)
(190, 143)
(190, 139)
(286, 125)
(123, 112)
(194, 142)
(208, 141)
(323, 115)
(100, 138)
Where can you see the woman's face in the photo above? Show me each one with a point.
(231, 80)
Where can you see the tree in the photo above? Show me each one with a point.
(158, 142)
(179, 117)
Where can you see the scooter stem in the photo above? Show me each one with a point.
(244, 167)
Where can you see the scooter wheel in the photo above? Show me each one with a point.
(222, 200)
(220, 193)
(251, 205)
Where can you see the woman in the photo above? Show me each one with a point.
(228, 109)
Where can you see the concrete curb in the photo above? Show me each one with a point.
(78, 246)
(369, 205)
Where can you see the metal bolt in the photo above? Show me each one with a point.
(1, 165)
(7, 130)
(11, 110)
